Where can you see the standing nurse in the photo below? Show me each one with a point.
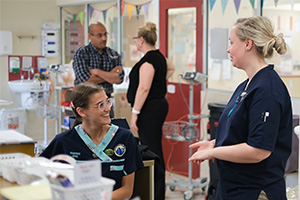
(253, 139)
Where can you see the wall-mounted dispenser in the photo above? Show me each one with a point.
(6, 45)
(50, 39)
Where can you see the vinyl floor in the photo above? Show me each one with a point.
(178, 193)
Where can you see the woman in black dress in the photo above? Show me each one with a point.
(146, 94)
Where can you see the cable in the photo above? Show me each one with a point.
(169, 159)
(201, 136)
(50, 90)
(181, 91)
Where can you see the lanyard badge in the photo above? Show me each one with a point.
(238, 99)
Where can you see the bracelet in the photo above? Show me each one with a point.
(135, 111)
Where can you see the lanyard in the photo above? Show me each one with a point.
(98, 149)
(238, 99)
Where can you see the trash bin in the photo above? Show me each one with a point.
(215, 111)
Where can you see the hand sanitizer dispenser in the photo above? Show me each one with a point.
(6, 43)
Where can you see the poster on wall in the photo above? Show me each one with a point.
(26, 63)
(14, 64)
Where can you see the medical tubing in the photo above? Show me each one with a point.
(179, 119)
(50, 91)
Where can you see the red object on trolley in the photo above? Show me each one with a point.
(208, 127)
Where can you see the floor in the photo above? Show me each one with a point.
(178, 193)
(198, 194)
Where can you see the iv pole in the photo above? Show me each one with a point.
(200, 182)
(191, 135)
(45, 95)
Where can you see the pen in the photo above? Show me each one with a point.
(267, 114)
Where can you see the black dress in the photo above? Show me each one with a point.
(154, 110)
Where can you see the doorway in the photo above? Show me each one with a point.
(181, 27)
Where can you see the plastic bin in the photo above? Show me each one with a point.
(13, 118)
(31, 170)
(180, 131)
(7, 163)
(93, 191)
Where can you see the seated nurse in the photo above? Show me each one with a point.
(93, 137)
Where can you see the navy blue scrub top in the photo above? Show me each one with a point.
(261, 116)
(120, 156)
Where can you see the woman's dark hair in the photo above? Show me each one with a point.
(80, 97)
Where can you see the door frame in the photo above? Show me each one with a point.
(181, 149)
(163, 26)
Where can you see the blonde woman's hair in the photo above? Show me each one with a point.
(260, 30)
(148, 32)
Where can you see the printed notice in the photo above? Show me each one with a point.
(87, 172)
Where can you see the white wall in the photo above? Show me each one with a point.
(26, 17)
(218, 19)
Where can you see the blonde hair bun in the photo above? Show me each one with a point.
(148, 32)
(280, 45)
(261, 31)
(150, 26)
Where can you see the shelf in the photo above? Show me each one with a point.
(37, 90)
(63, 108)
(27, 36)
(64, 127)
(63, 87)
(5, 102)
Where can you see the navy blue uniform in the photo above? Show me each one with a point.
(117, 151)
(260, 116)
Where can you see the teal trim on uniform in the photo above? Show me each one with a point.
(116, 167)
(113, 161)
(98, 150)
